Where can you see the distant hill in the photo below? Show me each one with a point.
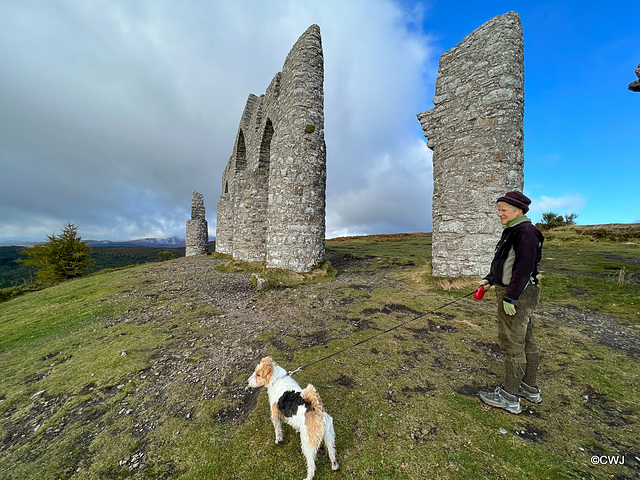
(172, 242)
(11, 272)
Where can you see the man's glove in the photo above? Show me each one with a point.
(509, 308)
(485, 283)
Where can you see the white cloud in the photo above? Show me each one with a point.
(114, 113)
(563, 205)
(394, 197)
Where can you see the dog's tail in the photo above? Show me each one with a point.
(311, 396)
(314, 417)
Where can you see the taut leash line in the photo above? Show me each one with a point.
(381, 333)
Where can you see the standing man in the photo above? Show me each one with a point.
(514, 272)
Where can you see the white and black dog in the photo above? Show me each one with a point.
(302, 409)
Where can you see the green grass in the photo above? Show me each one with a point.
(54, 311)
(278, 277)
(400, 249)
(74, 343)
(601, 275)
(404, 404)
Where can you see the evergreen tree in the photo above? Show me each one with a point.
(62, 257)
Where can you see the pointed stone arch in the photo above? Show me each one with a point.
(264, 159)
(241, 153)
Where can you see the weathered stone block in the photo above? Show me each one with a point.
(259, 282)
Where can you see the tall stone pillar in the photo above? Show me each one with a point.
(297, 177)
(197, 242)
(476, 133)
(272, 206)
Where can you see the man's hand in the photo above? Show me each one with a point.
(509, 308)
(484, 283)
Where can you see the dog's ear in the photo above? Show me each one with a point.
(265, 369)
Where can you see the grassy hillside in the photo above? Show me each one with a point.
(141, 373)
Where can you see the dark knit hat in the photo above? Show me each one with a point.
(516, 199)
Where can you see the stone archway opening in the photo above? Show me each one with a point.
(241, 153)
(264, 159)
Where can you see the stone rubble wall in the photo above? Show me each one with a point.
(197, 206)
(225, 212)
(476, 133)
(197, 242)
(250, 185)
(272, 206)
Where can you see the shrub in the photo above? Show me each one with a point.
(166, 255)
(62, 257)
(8, 293)
(553, 220)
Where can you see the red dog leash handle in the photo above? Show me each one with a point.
(479, 293)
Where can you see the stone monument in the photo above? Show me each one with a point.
(272, 205)
(476, 133)
(197, 242)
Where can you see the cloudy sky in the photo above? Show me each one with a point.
(113, 112)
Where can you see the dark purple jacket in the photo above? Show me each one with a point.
(516, 258)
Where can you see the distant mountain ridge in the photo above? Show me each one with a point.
(171, 242)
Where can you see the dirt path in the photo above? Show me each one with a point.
(248, 323)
